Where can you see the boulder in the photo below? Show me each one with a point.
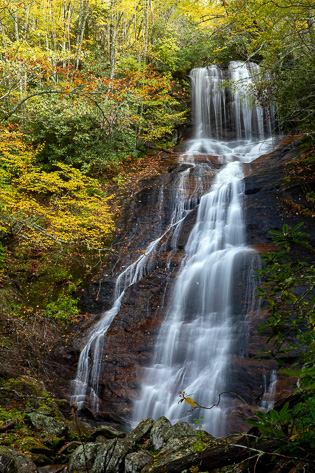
(122, 447)
(136, 461)
(174, 449)
(160, 433)
(79, 430)
(106, 432)
(140, 433)
(53, 469)
(89, 457)
(42, 460)
(12, 461)
(183, 429)
(41, 421)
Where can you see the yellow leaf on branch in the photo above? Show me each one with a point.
(190, 401)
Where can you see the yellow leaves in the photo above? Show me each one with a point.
(206, 14)
(190, 401)
(60, 207)
(293, 432)
(219, 49)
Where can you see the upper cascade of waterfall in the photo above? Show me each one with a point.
(224, 105)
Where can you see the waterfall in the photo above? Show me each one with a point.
(204, 325)
(85, 387)
(270, 386)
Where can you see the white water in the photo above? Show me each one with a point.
(202, 328)
(85, 387)
(270, 386)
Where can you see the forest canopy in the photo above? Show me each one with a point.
(52, 52)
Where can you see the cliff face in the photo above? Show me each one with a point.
(130, 339)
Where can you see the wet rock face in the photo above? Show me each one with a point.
(131, 337)
(266, 191)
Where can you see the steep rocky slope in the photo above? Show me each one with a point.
(131, 336)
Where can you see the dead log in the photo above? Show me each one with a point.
(219, 457)
(7, 425)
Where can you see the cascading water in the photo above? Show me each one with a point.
(85, 387)
(204, 326)
(270, 386)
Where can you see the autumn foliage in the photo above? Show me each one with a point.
(48, 209)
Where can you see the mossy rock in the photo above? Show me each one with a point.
(89, 456)
(29, 393)
(78, 430)
(160, 432)
(140, 433)
(27, 385)
(174, 449)
(54, 443)
(136, 461)
(12, 461)
(42, 460)
(183, 429)
(39, 421)
(107, 432)
(34, 445)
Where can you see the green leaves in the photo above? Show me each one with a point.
(276, 424)
(288, 237)
(293, 426)
(287, 292)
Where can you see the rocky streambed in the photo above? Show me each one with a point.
(54, 439)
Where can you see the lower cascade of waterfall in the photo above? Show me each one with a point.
(270, 386)
(203, 327)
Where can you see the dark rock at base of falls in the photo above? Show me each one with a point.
(153, 446)
(131, 337)
(149, 444)
(12, 461)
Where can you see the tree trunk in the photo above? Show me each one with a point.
(84, 13)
